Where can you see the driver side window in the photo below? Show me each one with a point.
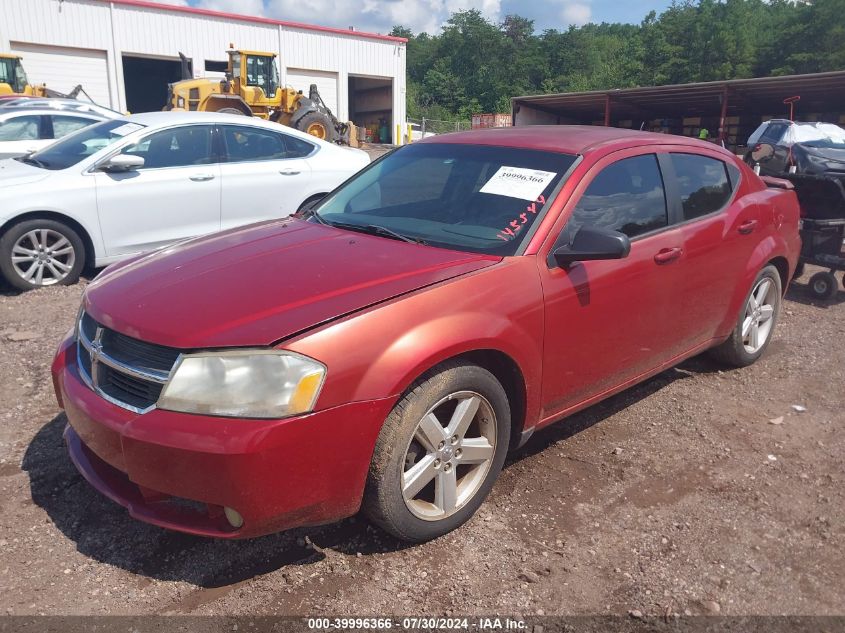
(175, 147)
(627, 196)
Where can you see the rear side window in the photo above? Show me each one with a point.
(703, 184)
(627, 196)
(296, 147)
(247, 144)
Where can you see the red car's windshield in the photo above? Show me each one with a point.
(475, 198)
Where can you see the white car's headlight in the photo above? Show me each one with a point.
(244, 383)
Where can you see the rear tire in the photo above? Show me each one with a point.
(823, 285)
(317, 124)
(38, 253)
(232, 111)
(438, 453)
(756, 322)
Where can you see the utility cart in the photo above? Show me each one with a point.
(822, 200)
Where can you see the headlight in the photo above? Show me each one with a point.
(248, 384)
(180, 101)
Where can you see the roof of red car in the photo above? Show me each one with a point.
(566, 139)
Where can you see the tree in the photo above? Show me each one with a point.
(474, 65)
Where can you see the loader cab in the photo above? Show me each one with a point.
(12, 76)
(255, 70)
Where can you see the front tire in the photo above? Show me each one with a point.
(439, 453)
(317, 124)
(756, 323)
(38, 253)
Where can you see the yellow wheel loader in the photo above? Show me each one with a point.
(13, 81)
(251, 88)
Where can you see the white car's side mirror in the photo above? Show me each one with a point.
(121, 163)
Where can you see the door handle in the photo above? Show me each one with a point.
(288, 172)
(202, 177)
(666, 255)
(747, 227)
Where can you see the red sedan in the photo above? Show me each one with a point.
(386, 348)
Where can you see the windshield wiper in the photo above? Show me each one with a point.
(29, 160)
(383, 230)
(311, 213)
(374, 229)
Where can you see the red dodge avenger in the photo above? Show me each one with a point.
(384, 349)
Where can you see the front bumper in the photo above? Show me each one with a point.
(179, 470)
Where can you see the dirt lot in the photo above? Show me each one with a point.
(701, 491)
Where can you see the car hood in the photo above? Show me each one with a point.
(827, 153)
(13, 172)
(258, 284)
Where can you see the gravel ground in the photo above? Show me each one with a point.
(699, 491)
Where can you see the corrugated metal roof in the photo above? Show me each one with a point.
(818, 92)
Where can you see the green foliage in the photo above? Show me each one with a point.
(474, 65)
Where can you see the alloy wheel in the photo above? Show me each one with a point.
(43, 257)
(449, 455)
(759, 315)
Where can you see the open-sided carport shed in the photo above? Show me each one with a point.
(729, 109)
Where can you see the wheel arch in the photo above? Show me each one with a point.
(771, 250)
(510, 376)
(84, 234)
(217, 102)
(311, 199)
(504, 368)
(782, 265)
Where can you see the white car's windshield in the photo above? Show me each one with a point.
(73, 148)
(475, 198)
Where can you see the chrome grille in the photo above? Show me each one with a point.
(123, 370)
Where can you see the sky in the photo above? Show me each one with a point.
(379, 16)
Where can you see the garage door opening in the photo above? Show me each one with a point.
(371, 106)
(146, 81)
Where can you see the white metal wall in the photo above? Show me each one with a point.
(301, 79)
(119, 29)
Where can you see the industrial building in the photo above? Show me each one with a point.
(125, 52)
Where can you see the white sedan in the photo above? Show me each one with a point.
(137, 183)
(24, 130)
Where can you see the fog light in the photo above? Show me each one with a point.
(233, 517)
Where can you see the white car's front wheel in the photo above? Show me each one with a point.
(41, 252)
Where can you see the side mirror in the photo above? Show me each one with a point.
(762, 152)
(122, 163)
(592, 243)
